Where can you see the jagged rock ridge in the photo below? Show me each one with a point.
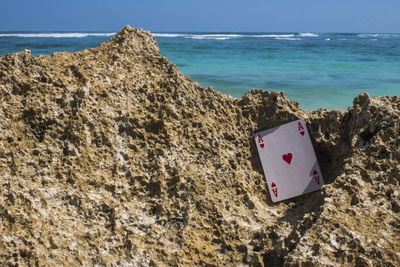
(111, 156)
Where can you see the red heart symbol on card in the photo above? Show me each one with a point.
(287, 157)
(262, 145)
(315, 172)
(302, 132)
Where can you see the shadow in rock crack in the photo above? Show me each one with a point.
(331, 161)
(303, 212)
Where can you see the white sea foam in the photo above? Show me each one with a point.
(231, 36)
(169, 35)
(55, 35)
(308, 34)
(288, 38)
(208, 38)
(212, 36)
(221, 36)
(368, 35)
(199, 36)
(379, 35)
(277, 35)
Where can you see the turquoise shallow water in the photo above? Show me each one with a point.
(317, 69)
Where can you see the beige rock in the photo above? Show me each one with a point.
(111, 156)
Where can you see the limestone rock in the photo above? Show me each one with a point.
(111, 156)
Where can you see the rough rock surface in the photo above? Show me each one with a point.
(111, 156)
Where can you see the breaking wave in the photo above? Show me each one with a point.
(308, 34)
(379, 35)
(168, 35)
(223, 36)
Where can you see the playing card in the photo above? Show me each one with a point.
(288, 160)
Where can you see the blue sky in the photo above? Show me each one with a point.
(205, 15)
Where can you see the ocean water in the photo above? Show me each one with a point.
(317, 69)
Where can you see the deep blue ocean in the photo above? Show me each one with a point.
(317, 69)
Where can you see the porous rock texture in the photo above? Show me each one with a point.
(110, 156)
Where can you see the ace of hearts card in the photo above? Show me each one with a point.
(288, 160)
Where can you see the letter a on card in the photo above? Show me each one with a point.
(260, 141)
(288, 160)
(301, 129)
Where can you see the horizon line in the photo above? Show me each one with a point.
(179, 31)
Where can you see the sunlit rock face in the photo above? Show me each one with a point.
(111, 156)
